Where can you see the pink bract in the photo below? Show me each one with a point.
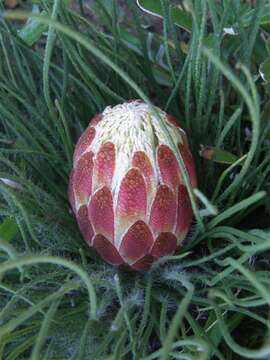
(126, 187)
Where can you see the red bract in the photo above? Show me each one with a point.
(126, 187)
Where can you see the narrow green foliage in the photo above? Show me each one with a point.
(200, 63)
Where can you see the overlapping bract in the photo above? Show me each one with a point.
(126, 188)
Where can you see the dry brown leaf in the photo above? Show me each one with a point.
(10, 4)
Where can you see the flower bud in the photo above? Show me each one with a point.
(126, 188)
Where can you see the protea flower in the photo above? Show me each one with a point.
(126, 188)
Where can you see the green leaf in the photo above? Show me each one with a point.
(267, 46)
(32, 30)
(180, 17)
(245, 17)
(129, 38)
(209, 41)
(263, 234)
(218, 155)
(265, 20)
(265, 70)
(8, 229)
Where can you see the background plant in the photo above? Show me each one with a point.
(203, 62)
